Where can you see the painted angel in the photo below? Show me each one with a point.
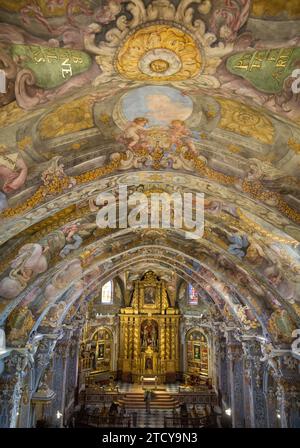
(180, 135)
(134, 132)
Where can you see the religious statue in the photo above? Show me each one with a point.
(196, 352)
(149, 334)
(149, 364)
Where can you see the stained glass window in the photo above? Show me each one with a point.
(193, 296)
(106, 295)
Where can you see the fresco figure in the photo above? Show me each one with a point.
(68, 272)
(72, 238)
(13, 174)
(30, 261)
(134, 132)
(239, 245)
(181, 135)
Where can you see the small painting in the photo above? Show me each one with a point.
(100, 351)
(197, 352)
(149, 296)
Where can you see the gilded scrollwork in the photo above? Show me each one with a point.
(170, 62)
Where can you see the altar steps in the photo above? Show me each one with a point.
(160, 400)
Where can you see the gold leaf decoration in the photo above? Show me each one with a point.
(245, 120)
(159, 53)
(295, 146)
(267, 8)
(25, 142)
(68, 118)
(235, 149)
(48, 8)
(12, 113)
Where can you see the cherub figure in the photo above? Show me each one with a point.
(134, 132)
(181, 135)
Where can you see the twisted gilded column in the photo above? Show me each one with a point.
(173, 341)
(168, 340)
(126, 340)
(136, 341)
(162, 347)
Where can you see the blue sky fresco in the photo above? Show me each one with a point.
(160, 104)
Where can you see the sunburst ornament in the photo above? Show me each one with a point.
(159, 53)
(161, 42)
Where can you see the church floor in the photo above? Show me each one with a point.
(155, 420)
(129, 387)
(165, 409)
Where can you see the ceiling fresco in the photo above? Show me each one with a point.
(287, 9)
(162, 96)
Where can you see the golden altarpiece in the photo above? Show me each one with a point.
(149, 333)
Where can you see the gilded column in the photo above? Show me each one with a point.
(162, 345)
(126, 338)
(167, 339)
(136, 340)
(121, 336)
(177, 345)
(130, 336)
(173, 340)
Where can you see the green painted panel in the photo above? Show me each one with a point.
(265, 69)
(51, 66)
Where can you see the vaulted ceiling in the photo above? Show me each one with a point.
(78, 74)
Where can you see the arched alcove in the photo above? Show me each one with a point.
(197, 356)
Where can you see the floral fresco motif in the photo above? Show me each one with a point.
(246, 121)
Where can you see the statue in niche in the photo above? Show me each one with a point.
(101, 351)
(149, 334)
(93, 360)
(197, 352)
(149, 364)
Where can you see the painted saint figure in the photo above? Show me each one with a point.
(73, 239)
